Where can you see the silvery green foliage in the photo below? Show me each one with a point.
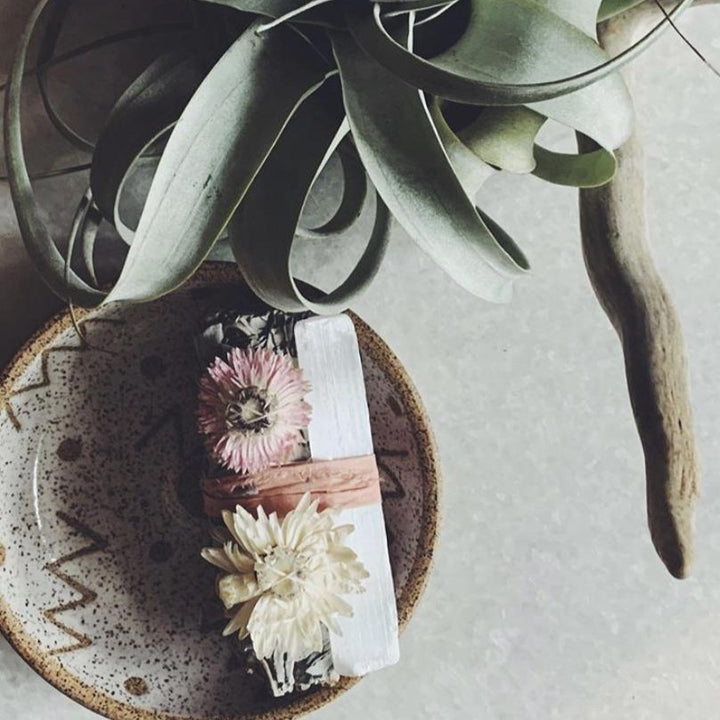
(428, 97)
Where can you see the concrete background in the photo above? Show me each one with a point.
(547, 600)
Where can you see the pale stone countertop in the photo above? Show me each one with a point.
(547, 600)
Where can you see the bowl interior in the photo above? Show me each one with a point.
(102, 588)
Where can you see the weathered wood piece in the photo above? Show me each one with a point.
(632, 293)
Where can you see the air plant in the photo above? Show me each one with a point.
(426, 98)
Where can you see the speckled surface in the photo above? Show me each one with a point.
(546, 599)
(101, 525)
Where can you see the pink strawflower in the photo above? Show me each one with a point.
(252, 409)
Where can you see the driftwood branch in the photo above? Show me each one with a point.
(630, 290)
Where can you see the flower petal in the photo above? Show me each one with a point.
(236, 589)
(241, 562)
(275, 375)
(219, 558)
(314, 568)
(240, 620)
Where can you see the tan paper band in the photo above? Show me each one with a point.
(349, 482)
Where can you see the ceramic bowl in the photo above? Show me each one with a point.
(102, 589)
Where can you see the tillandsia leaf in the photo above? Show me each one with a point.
(609, 8)
(403, 154)
(354, 193)
(587, 170)
(594, 168)
(263, 228)
(504, 137)
(458, 76)
(148, 109)
(471, 171)
(56, 172)
(85, 226)
(115, 38)
(603, 110)
(36, 236)
(213, 155)
(88, 236)
(269, 8)
(393, 8)
(326, 15)
(48, 43)
(543, 45)
(433, 14)
(78, 227)
(582, 14)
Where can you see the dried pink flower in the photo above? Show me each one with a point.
(252, 408)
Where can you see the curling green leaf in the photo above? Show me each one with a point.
(149, 108)
(216, 149)
(36, 236)
(471, 72)
(403, 7)
(263, 228)
(472, 173)
(405, 159)
(88, 236)
(582, 14)
(300, 10)
(78, 228)
(608, 8)
(603, 110)
(586, 170)
(354, 193)
(113, 39)
(504, 137)
(269, 8)
(470, 169)
(50, 36)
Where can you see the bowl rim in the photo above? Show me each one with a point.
(53, 671)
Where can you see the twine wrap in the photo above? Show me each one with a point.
(348, 482)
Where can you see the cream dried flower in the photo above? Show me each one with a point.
(282, 580)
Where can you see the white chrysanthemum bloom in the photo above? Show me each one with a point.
(282, 580)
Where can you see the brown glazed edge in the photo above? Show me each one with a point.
(50, 669)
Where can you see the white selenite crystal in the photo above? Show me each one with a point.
(328, 353)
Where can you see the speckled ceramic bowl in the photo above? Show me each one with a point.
(102, 589)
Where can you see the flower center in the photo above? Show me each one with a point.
(249, 412)
(281, 572)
